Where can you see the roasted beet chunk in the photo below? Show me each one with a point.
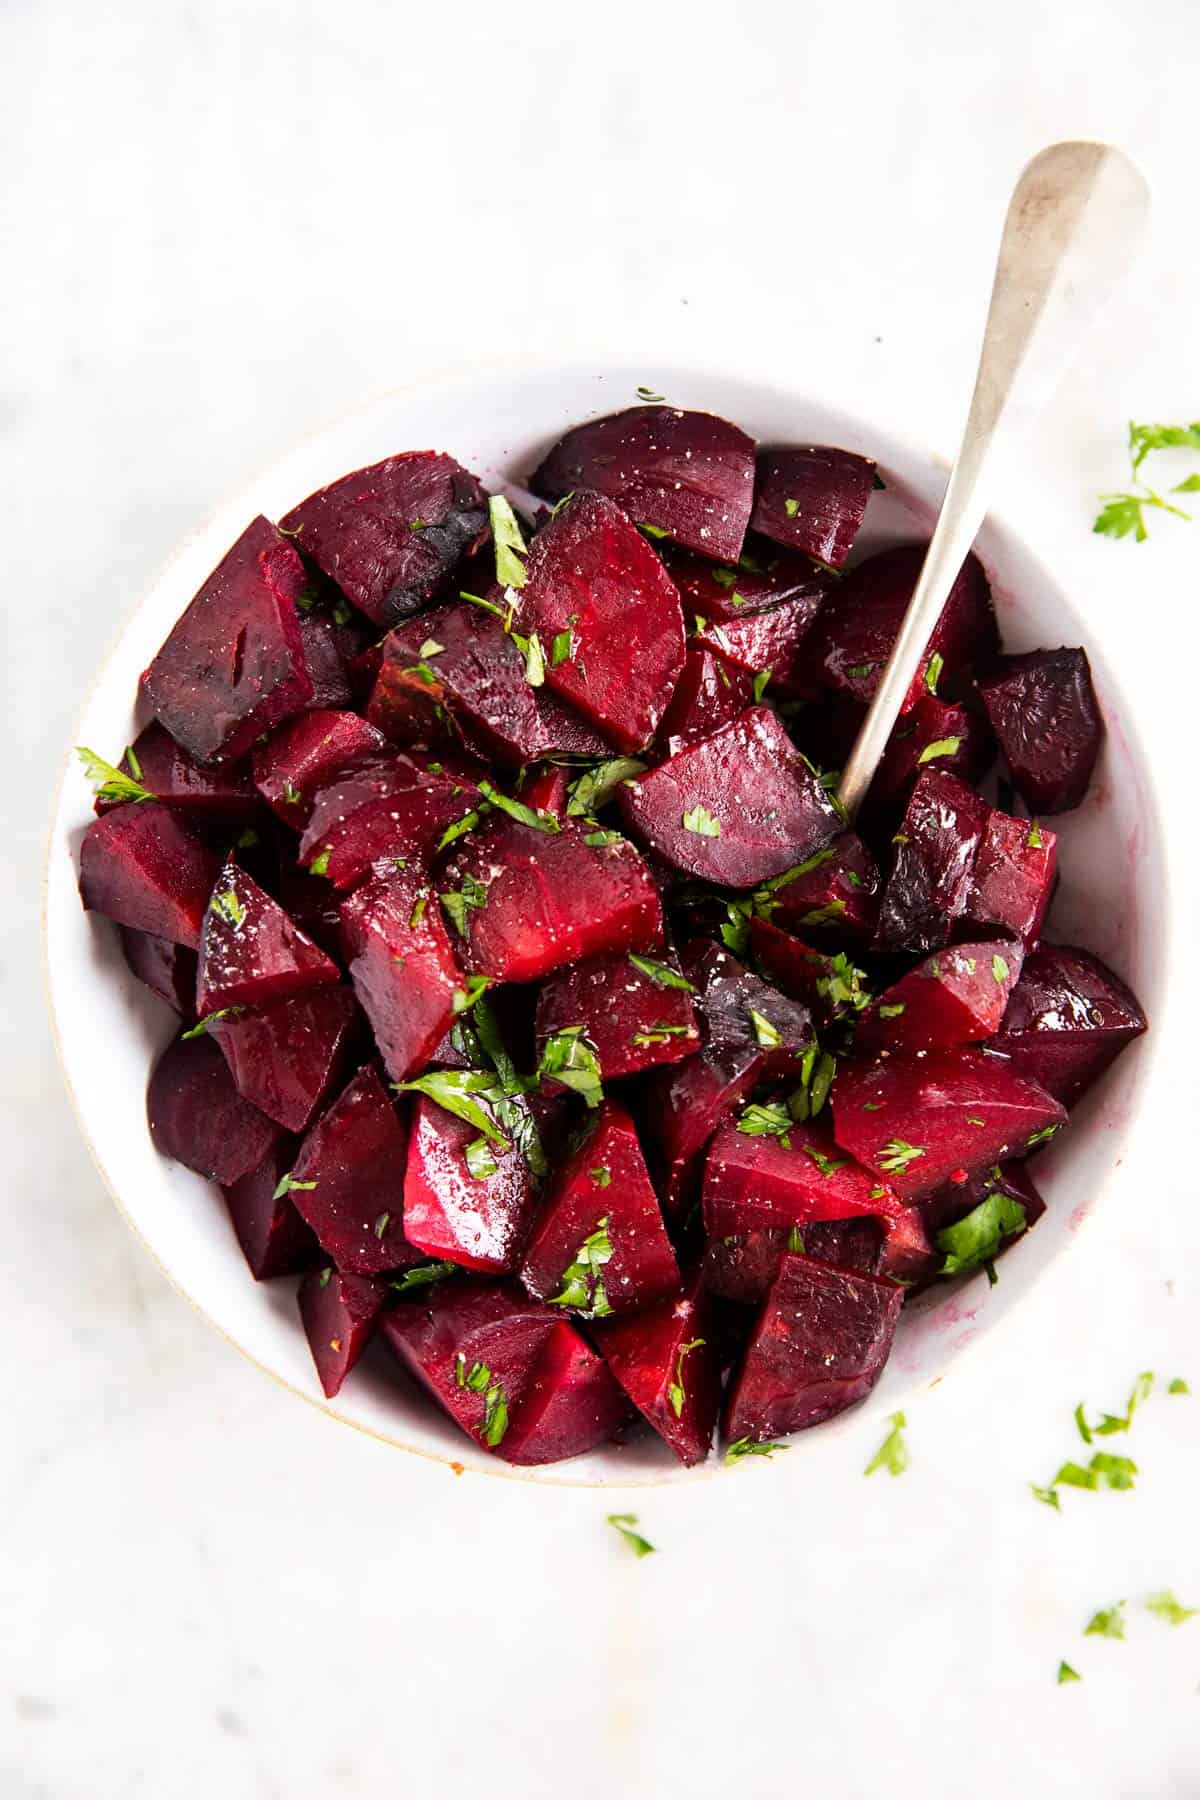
(571, 1405)
(389, 535)
(765, 1173)
(339, 1314)
(156, 762)
(1013, 878)
(305, 755)
(403, 969)
(1047, 721)
(813, 498)
(686, 473)
(607, 617)
(936, 848)
(743, 1268)
(682, 1107)
(915, 1122)
(1068, 1018)
(934, 735)
(741, 1011)
(666, 1359)
(250, 952)
(599, 1245)
(834, 890)
(287, 1059)
(167, 969)
(142, 867)
(348, 1179)
(772, 646)
(759, 581)
(735, 808)
(530, 901)
(710, 693)
(635, 1011)
(274, 1238)
(398, 808)
(820, 1344)
(233, 665)
(197, 1116)
(468, 1194)
(854, 636)
(957, 996)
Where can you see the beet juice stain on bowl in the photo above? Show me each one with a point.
(539, 1010)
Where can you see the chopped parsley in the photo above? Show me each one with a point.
(769, 1120)
(319, 864)
(1166, 1607)
(860, 671)
(472, 896)
(602, 1176)
(423, 672)
(516, 809)
(1041, 1137)
(892, 1454)
(287, 1185)
(422, 1275)
(702, 822)
(291, 795)
(826, 1164)
(623, 1522)
(896, 1155)
(228, 907)
(999, 970)
(660, 974)
(1035, 840)
(791, 507)
(560, 647)
(1067, 1673)
(761, 683)
(569, 1058)
(649, 397)
(661, 1033)
(843, 986)
(459, 829)
(430, 647)
(463, 999)
(382, 1223)
(973, 1241)
(795, 1241)
(744, 1447)
(582, 1281)
(893, 1009)
(947, 746)
(765, 1034)
(1123, 515)
(509, 544)
(1109, 1622)
(676, 1392)
(933, 671)
(479, 1159)
(600, 840)
(469, 1094)
(591, 789)
(418, 911)
(1179, 1386)
(111, 783)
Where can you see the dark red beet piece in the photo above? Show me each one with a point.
(946, 1205)
(1068, 1019)
(1047, 720)
(287, 1059)
(956, 996)
(820, 1345)
(936, 847)
(397, 808)
(907, 1254)
(592, 576)
(348, 1179)
(327, 669)
(167, 969)
(172, 776)
(197, 1116)
(743, 1268)
(709, 694)
(538, 900)
(633, 1019)
(812, 498)
(916, 1121)
(833, 890)
(599, 1245)
(666, 1359)
(827, 984)
(233, 665)
(480, 1221)
(757, 583)
(390, 534)
(681, 1107)
(251, 954)
(754, 1183)
(570, 1405)
(934, 735)
(729, 995)
(1013, 878)
(339, 1314)
(143, 867)
(686, 473)
(306, 754)
(753, 805)
(773, 643)
(853, 638)
(402, 967)
(274, 1238)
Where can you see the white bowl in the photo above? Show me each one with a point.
(497, 421)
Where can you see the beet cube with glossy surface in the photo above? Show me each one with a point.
(468, 1197)
(666, 1359)
(141, 866)
(1048, 723)
(339, 1313)
(348, 1179)
(403, 970)
(274, 1238)
(251, 954)
(1068, 1019)
(635, 1011)
(956, 996)
(812, 497)
(198, 1118)
(287, 1058)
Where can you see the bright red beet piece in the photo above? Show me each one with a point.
(808, 975)
(1047, 720)
(665, 1357)
(403, 969)
(833, 890)
(1068, 1019)
(571, 1404)
(687, 473)
(592, 576)
(390, 534)
(633, 1019)
(820, 1345)
(537, 900)
(251, 954)
(197, 1116)
(956, 996)
(936, 848)
(286, 1059)
(142, 867)
(398, 808)
(915, 1121)
(348, 1179)
(339, 1314)
(158, 764)
(729, 996)
(305, 755)
(599, 1245)
(274, 1238)
(743, 1268)
(479, 1219)
(735, 808)
(233, 665)
(756, 584)
(547, 790)
(854, 636)
(167, 969)
(812, 498)
(754, 1183)
(710, 693)
(1013, 878)
(773, 643)
(681, 1107)
(934, 735)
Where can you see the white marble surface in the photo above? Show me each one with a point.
(222, 224)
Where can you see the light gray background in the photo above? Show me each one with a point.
(223, 224)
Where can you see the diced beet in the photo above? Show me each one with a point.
(759, 582)
(548, 790)
(571, 1404)
(287, 1059)
(686, 473)
(306, 754)
(808, 975)
(339, 1314)
(143, 867)
(729, 995)
(956, 996)
(934, 735)
(592, 578)
(480, 1221)
(710, 693)
(936, 846)
(599, 1245)
(666, 1359)
(812, 497)
(197, 1116)
(396, 808)
(274, 1238)
(167, 969)
(632, 1019)
(1047, 720)
(907, 1254)
(914, 1121)
(773, 644)
(312, 903)
(327, 668)
(251, 954)
(159, 765)
(403, 969)
(853, 638)
(735, 808)
(233, 665)
(833, 890)
(1013, 878)
(754, 1183)
(348, 1179)
(541, 899)
(681, 1107)
(953, 1201)
(820, 1345)
(743, 1268)
(390, 534)
(1068, 1019)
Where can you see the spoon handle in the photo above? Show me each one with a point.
(1074, 226)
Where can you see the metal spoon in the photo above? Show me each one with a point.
(1075, 224)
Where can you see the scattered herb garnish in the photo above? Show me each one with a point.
(892, 1454)
(1109, 1622)
(702, 822)
(591, 789)
(1166, 1607)
(467, 1093)
(422, 1275)
(319, 864)
(999, 970)
(1123, 515)
(1067, 1673)
(560, 647)
(743, 1447)
(516, 809)
(602, 1176)
(418, 911)
(933, 671)
(430, 647)
(228, 907)
(947, 746)
(897, 1155)
(463, 999)
(479, 1159)
(761, 682)
(649, 397)
(765, 1034)
(210, 1019)
(458, 829)
(471, 896)
(508, 542)
(1179, 1386)
(660, 974)
(287, 1185)
(769, 1120)
(571, 1060)
(622, 1522)
(582, 1282)
(973, 1241)
(893, 1010)
(676, 1392)
(112, 783)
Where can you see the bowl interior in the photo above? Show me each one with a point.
(110, 1028)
